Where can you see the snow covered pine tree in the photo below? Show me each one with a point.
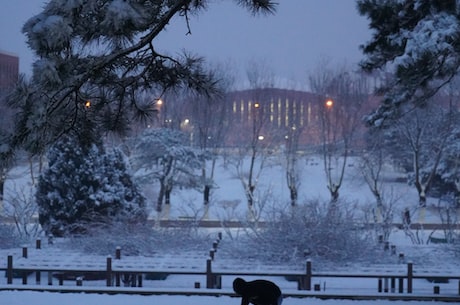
(84, 186)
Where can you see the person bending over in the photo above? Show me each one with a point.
(258, 292)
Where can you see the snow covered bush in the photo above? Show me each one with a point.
(311, 230)
(21, 208)
(85, 186)
(141, 240)
(8, 237)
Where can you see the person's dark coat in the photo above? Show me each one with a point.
(258, 292)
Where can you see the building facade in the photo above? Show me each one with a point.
(9, 71)
(272, 115)
(270, 118)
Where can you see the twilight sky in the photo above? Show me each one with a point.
(292, 43)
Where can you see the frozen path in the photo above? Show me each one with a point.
(33, 298)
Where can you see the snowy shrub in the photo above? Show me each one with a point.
(8, 237)
(22, 209)
(85, 186)
(312, 230)
(140, 240)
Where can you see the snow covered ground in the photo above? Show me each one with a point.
(229, 203)
(48, 298)
(228, 200)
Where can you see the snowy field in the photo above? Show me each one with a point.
(229, 204)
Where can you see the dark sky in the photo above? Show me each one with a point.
(292, 43)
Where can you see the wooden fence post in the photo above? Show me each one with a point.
(109, 271)
(117, 274)
(9, 271)
(24, 277)
(24, 273)
(308, 274)
(410, 274)
(209, 275)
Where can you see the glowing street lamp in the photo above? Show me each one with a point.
(329, 103)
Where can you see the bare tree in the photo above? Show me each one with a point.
(209, 126)
(292, 167)
(23, 210)
(372, 164)
(447, 208)
(256, 139)
(162, 155)
(341, 95)
(418, 143)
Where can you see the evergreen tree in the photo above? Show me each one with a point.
(84, 186)
(418, 41)
(103, 54)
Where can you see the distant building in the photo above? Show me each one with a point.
(273, 113)
(271, 118)
(276, 115)
(9, 71)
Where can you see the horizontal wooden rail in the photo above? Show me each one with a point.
(126, 272)
(116, 274)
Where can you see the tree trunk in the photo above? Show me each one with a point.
(206, 194)
(422, 200)
(168, 191)
(2, 190)
(293, 194)
(161, 195)
(251, 185)
(334, 191)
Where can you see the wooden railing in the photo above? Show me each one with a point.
(118, 271)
